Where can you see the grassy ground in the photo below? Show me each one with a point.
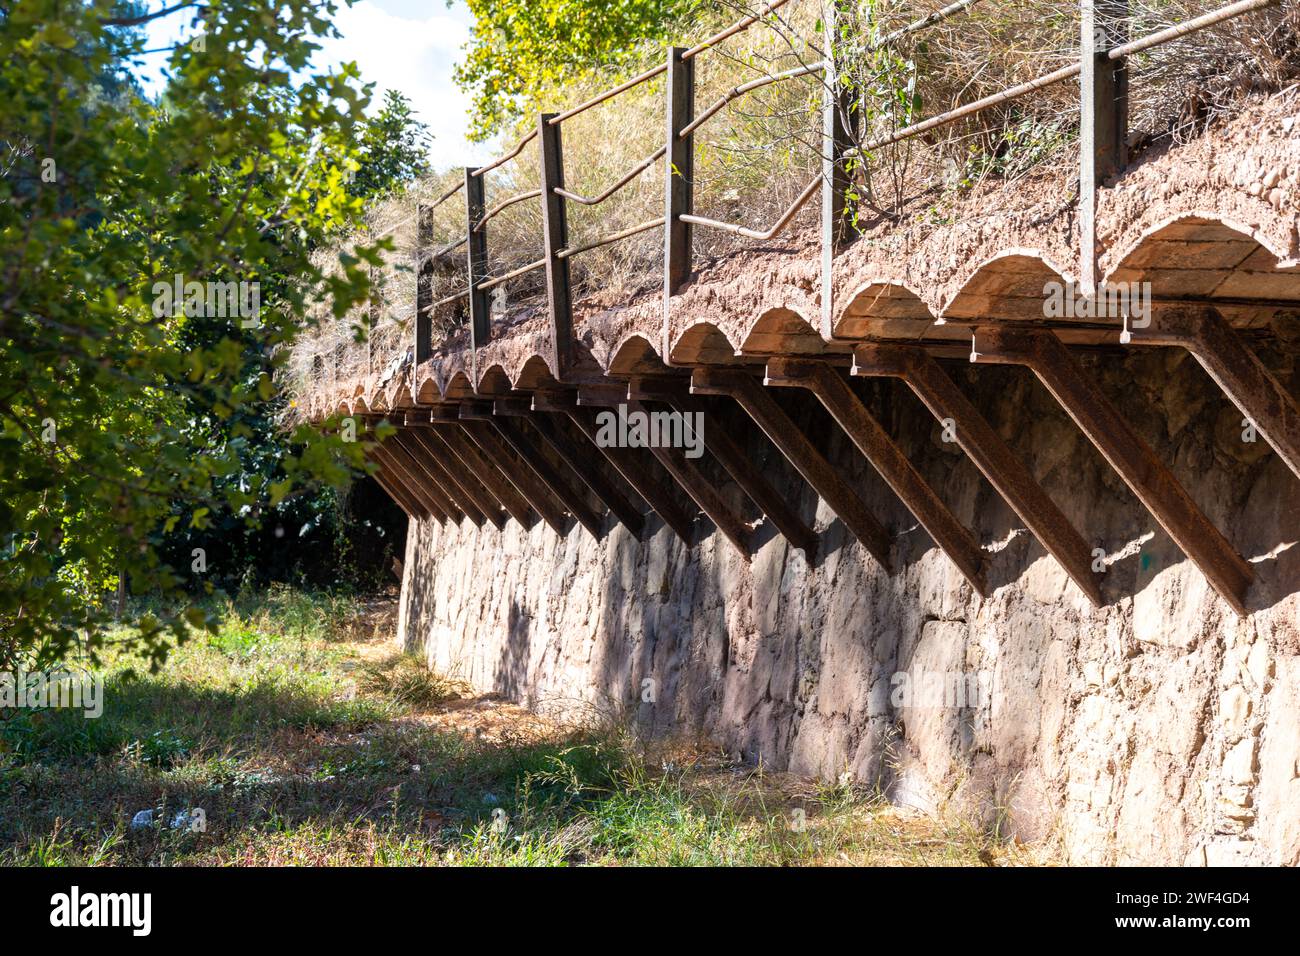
(306, 738)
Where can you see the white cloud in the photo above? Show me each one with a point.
(396, 44)
(415, 55)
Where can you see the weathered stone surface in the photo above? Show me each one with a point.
(1159, 728)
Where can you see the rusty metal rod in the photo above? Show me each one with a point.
(809, 191)
(636, 171)
(513, 274)
(1190, 26)
(744, 23)
(737, 91)
(596, 100)
(502, 160)
(503, 206)
(1064, 73)
(612, 237)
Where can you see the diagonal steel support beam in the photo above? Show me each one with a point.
(1237, 370)
(624, 461)
(421, 488)
(398, 492)
(887, 458)
(439, 460)
(795, 446)
(582, 463)
(1131, 457)
(702, 492)
(452, 434)
(557, 484)
(989, 452)
(732, 458)
(523, 478)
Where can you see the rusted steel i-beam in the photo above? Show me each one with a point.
(557, 484)
(465, 450)
(627, 464)
(522, 477)
(1131, 457)
(582, 463)
(424, 490)
(440, 460)
(989, 452)
(702, 492)
(1237, 370)
(395, 490)
(732, 458)
(887, 458)
(795, 446)
(432, 474)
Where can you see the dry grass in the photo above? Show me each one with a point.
(756, 155)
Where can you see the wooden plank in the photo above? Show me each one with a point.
(990, 454)
(432, 472)
(888, 459)
(1130, 456)
(583, 464)
(799, 451)
(734, 460)
(397, 491)
(422, 487)
(465, 451)
(555, 236)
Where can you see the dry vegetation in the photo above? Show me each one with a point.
(758, 153)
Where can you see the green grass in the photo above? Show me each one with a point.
(305, 740)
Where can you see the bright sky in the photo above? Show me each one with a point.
(406, 45)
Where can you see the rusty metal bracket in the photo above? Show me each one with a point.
(523, 478)
(702, 492)
(421, 484)
(795, 446)
(397, 491)
(556, 483)
(887, 458)
(731, 457)
(624, 461)
(441, 461)
(485, 468)
(582, 463)
(989, 452)
(1237, 370)
(1131, 457)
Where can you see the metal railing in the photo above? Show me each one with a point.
(1100, 68)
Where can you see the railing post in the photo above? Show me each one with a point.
(555, 233)
(679, 176)
(1103, 120)
(837, 139)
(372, 319)
(423, 284)
(475, 206)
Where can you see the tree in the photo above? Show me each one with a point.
(519, 47)
(394, 149)
(146, 250)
